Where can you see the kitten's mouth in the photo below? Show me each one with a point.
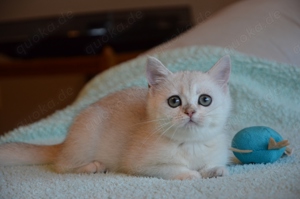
(190, 123)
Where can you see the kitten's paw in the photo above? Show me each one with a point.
(92, 167)
(100, 168)
(188, 175)
(214, 172)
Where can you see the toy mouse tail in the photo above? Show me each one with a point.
(240, 150)
(288, 151)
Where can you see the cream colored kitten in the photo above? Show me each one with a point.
(172, 130)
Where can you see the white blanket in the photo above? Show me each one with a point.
(264, 93)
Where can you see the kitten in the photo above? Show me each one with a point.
(172, 130)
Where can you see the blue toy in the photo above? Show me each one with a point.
(259, 144)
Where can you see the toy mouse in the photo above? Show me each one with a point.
(259, 144)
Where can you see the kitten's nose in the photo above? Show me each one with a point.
(189, 112)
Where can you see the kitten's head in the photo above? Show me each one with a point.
(188, 106)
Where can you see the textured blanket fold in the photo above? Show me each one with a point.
(263, 93)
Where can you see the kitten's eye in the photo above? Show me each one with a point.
(174, 101)
(205, 100)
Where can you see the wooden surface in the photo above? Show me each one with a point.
(89, 65)
(33, 89)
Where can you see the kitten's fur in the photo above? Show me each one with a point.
(135, 131)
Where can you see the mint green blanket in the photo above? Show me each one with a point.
(263, 92)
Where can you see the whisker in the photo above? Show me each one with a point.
(161, 126)
(150, 121)
(174, 133)
(165, 132)
(157, 130)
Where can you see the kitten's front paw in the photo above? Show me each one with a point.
(214, 172)
(188, 176)
(100, 168)
(92, 167)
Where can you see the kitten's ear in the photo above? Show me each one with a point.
(156, 71)
(220, 72)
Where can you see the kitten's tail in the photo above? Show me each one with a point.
(27, 154)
